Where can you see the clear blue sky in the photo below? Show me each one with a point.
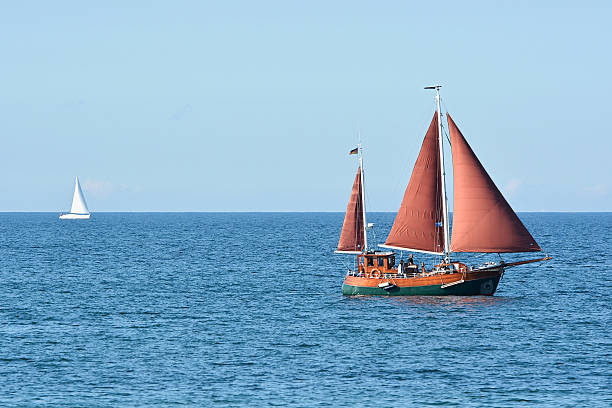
(254, 105)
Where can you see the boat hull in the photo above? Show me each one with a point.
(455, 284)
(70, 216)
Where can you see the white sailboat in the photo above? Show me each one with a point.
(79, 210)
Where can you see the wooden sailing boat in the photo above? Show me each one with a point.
(483, 222)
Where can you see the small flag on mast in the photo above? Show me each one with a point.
(354, 151)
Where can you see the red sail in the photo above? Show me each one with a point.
(482, 218)
(418, 224)
(351, 237)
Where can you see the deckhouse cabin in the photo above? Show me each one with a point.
(379, 264)
(382, 264)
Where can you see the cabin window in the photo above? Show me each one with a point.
(381, 261)
(370, 261)
(391, 262)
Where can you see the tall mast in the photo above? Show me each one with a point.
(443, 177)
(365, 225)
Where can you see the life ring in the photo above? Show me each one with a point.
(460, 267)
(375, 273)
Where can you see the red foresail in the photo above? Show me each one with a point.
(483, 221)
(419, 223)
(351, 237)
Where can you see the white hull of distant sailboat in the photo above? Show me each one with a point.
(79, 210)
(71, 216)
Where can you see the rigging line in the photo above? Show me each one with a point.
(443, 102)
(365, 195)
(438, 209)
(365, 192)
(358, 208)
(348, 267)
(446, 134)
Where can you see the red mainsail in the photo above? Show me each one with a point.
(351, 237)
(418, 224)
(483, 221)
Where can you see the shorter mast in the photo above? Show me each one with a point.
(445, 217)
(353, 233)
(365, 224)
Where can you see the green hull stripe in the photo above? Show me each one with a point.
(486, 286)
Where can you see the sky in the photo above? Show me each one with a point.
(254, 105)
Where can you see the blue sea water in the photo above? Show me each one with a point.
(245, 309)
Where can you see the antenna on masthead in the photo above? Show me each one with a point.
(436, 87)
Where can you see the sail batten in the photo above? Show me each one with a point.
(419, 221)
(483, 221)
(352, 237)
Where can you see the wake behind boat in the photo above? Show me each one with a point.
(79, 210)
(483, 222)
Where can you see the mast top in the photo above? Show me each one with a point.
(436, 87)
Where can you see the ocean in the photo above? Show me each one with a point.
(245, 309)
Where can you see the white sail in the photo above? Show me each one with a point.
(79, 206)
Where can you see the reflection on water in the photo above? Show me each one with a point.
(469, 302)
(466, 303)
(444, 302)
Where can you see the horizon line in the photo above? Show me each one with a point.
(277, 211)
